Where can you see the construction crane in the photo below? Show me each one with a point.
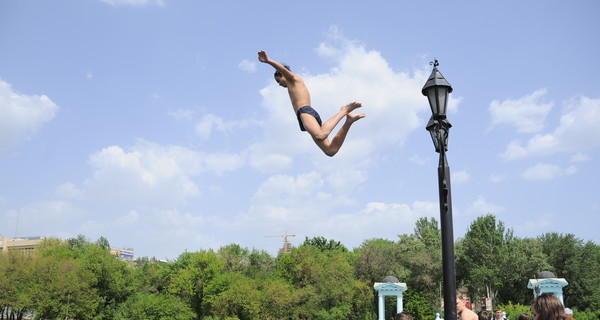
(287, 247)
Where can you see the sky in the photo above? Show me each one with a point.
(153, 124)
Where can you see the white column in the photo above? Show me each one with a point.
(399, 306)
(381, 307)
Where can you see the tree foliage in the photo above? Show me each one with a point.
(320, 279)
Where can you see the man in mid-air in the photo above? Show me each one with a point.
(308, 118)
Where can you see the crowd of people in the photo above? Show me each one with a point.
(545, 307)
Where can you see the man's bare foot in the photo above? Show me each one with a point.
(355, 116)
(350, 107)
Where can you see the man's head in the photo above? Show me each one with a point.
(498, 313)
(279, 78)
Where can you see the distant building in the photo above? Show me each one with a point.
(123, 254)
(26, 244)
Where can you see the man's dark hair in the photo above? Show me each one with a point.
(278, 74)
(403, 316)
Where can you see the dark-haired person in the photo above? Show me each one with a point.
(548, 307)
(403, 316)
(498, 313)
(308, 118)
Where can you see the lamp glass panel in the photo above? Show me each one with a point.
(434, 137)
(431, 96)
(442, 92)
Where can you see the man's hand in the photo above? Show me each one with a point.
(262, 56)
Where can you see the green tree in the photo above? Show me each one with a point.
(235, 257)
(190, 274)
(481, 255)
(578, 263)
(60, 288)
(377, 258)
(323, 244)
(112, 278)
(15, 280)
(421, 253)
(523, 259)
(147, 306)
(325, 282)
(237, 296)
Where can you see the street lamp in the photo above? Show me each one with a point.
(437, 89)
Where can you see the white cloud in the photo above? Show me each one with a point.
(526, 114)
(204, 128)
(182, 114)
(134, 3)
(545, 171)
(151, 174)
(460, 177)
(37, 218)
(417, 159)
(580, 157)
(247, 65)
(538, 226)
(69, 190)
(497, 178)
(576, 132)
(22, 115)
(206, 124)
(481, 206)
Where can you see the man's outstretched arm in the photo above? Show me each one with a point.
(287, 74)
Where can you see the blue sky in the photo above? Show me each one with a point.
(151, 122)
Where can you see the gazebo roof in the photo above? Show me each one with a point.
(547, 282)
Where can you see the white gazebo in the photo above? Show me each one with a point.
(389, 287)
(547, 282)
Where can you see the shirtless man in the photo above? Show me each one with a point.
(308, 118)
(462, 312)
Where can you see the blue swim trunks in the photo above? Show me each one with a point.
(307, 110)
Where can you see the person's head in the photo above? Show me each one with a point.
(403, 316)
(524, 316)
(484, 315)
(498, 313)
(548, 307)
(279, 78)
(460, 302)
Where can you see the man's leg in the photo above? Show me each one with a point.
(322, 132)
(330, 148)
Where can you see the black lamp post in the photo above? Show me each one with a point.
(437, 89)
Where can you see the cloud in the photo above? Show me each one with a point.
(526, 114)
(580, 157)
(22, 115)
(542, 223)
(545, 171)
(576, 132)
(481, 206)
(460, 177)
(318, 204)
(150, 174)
(182, 114)
(247, 65)
(134, 3)
(35, 219)
(204, 128)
